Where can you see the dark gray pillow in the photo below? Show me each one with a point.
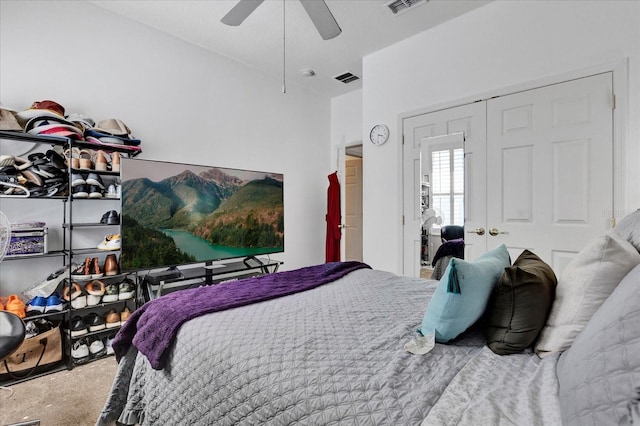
(519, 305)
(599, 375)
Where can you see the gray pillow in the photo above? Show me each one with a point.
(629, 229)
(600, 373)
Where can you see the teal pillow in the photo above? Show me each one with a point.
(463, 293)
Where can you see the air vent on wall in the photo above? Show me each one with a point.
(347, 77)
(397, 6)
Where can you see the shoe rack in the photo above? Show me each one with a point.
(74, 238)
(99, 295)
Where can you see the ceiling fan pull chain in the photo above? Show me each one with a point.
(284, 46)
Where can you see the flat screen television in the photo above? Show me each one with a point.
(175, 214)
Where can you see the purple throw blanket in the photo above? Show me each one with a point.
(153, 326)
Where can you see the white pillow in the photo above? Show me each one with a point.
(584, 285)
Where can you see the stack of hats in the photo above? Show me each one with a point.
(8, 119)
(48, 118)
(111, 131)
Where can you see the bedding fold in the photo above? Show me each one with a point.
(153, 327)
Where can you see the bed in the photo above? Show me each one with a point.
(334, 353)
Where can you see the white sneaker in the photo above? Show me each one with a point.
(79, 351)
(97, 348)
(111, 192)
(111, 242)
(79, 302)
(110, 344)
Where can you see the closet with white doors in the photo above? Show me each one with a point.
(538, 169)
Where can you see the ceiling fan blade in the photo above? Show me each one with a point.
(240, 11)
(322, 18)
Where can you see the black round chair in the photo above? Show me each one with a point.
(451, 232)
(12, 332)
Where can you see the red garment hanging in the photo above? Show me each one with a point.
(333, 219)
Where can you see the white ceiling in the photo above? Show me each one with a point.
(367, 26)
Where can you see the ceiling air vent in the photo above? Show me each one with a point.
(397, 6)
(347, 77)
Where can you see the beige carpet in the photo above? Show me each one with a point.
(64, 398)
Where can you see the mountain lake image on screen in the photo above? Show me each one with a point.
(175, 214)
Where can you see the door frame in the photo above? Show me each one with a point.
(619, 70)
(340, 167)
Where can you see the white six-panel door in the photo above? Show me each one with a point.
(470, 120)
(538, 170)
(549, 168)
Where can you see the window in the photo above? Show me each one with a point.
(447, 168)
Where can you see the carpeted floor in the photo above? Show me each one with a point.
(426, 273)
(64, 398)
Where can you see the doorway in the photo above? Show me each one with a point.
(352, 211)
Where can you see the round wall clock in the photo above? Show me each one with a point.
(379, 134)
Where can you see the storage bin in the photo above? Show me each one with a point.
(27, 241)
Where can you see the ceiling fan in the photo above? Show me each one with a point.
(317, 10)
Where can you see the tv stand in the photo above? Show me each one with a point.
(175, 278)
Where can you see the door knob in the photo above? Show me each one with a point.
(479, 231)
(494, 231)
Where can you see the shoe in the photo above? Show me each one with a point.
(111, 192)
(84, 160)
(94, 269)
(97, 348)
(36, 305)
(115, 162)
(95, 289)
(80, 191)
(72, 158)
(111, 242)
(31, 330)
(15, 305)
(77, 179)
(112, 319)
(95, 322)
(71, 292)
(82, 272)
(110, 350)
(118, 191)
(79, 302)
(111, 265)
(126, 290)
(95, 191)
(125, 314)
(95, 179)
(79, 352)
(54, 304)
(110, 293)
(110, 218)
(78, 327)
(101, 161)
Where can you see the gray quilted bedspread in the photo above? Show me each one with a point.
(327, 356)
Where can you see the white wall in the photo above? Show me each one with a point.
(186, 104)
(499, 45)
